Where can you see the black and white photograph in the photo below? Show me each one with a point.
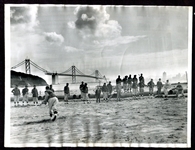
(97, 75)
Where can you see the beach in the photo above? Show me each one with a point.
(148, 120)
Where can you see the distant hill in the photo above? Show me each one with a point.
(22, 79)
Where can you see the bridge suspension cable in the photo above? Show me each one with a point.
(92, 74)
(18, 65)
(67, 70)
(100, 74)
(79, 71)
(38, 67)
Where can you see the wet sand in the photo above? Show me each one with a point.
(128, 121)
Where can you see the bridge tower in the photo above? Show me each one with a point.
(27, 66)
(73, 74)
(55, 78)
(96, 75)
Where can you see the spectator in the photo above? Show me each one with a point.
(35, 95)
(85, 93)
(109, 87)
(16, 93)
(179, 90)
(81, 89)
(129, 83)
(25, 95)
(125, 82)
(98, 94)
(118, 87)
(151, 87)
(141, 85)
(134, 86)
(105, 92)
(66, 93)
(166, 87)
(159, 87)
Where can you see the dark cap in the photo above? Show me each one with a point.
(49, 91)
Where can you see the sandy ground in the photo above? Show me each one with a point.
(128, 121)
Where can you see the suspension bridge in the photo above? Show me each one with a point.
(73, 72)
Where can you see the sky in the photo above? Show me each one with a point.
(114, 40)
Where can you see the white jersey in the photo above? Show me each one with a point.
(166, 85)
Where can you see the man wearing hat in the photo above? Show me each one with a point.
(109, 87)
(25, 95)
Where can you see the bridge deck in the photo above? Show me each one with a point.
(62, 74)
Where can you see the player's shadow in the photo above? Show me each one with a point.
(42, 121)
(37, 122)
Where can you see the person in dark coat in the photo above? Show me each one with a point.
(118, 87)
(16, 92)
(151, 87)
(85, 93)
(129, 83)
(141, 85)
(81, 89)
(109, 87)
(35, 95)
(98, 94)
(66, 93)
(125, 82)
(134, 86)
(159, 87)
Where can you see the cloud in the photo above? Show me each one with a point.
(86, 18)
(111, 29)
(54, 38)
(90, 17)
(94, 22)
(94, 26)
(111, 44)
(71, 25)
(72, 49)
(24, 18)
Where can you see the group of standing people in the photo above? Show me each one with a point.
(84, 92)
(131, 85)
(25, 95)
(106, 90)
(83, 89)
